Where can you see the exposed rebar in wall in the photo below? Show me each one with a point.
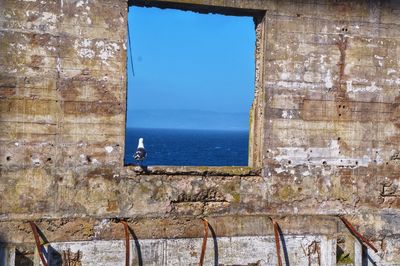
(204, 244)
(127, 242)
(357, 234)
(39, 246)
(277, 242)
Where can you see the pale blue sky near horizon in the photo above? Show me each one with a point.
(189, 61)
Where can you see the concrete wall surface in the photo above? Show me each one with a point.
(324, 138)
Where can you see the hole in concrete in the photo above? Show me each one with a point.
(338, 138)
(49, 160)
(200, 101)
(88, 158)
(340, 114)
(8, 158)
(324, 162)
(289, 162)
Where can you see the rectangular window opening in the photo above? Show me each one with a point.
(190, 88)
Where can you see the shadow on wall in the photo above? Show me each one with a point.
(214, 236)
(366, 258)
(52, 256)
(284, 248)
(137, 245)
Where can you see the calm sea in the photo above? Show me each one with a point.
(189, 147)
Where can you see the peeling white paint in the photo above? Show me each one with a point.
(328, 80)
(238, 250)
(50, 17)
(391, 71)
(83, 48)
(284, 75)
(287, 114)
(330, 155)
(109, 149)
(80, 3)
(58, 66)
(98, 228)
(371, 88)
(106, 50)
(322, 60)
(36, 161)
(279, 170)
(306, 173)
(292, 85)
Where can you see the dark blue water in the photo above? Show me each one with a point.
(189, 147)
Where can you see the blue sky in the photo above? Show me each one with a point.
(189, 61)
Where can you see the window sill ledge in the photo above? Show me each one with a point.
(195, 170)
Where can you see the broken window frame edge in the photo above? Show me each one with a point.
(257, 115)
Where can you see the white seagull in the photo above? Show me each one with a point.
(140, 153)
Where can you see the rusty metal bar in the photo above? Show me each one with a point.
(127, 242)
(38, 244)
(357, 234)
(277, 241)
(204, 244)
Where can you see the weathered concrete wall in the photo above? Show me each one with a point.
(325, 125)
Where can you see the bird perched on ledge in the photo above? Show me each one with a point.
(140, 153)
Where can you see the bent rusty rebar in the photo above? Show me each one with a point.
(204, 244)
(127, 242)
(277, 241)
(38, 244)
(357, 234)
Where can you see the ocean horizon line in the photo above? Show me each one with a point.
(191, 129)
